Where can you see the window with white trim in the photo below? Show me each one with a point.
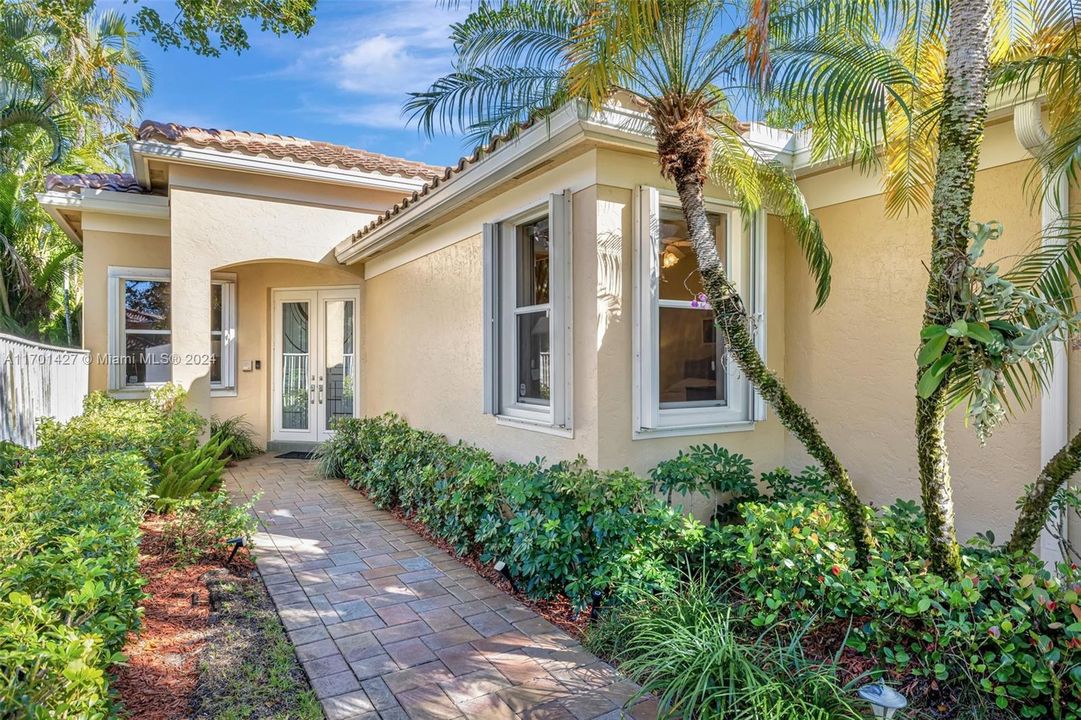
(223, 332)
(527, 316)
(684, 380)
(140, 338)
(140, 329)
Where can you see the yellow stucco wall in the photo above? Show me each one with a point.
(254, 283)
(853, 362)
(102, 250)
(221, 219)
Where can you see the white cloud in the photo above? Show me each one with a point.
(385, 65)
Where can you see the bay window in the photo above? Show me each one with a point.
(527, 316)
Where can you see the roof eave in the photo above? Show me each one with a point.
(54, 202)
(612, 126)
(142, 151)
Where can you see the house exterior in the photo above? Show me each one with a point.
(536, 299)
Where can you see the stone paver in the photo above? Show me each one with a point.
(389, 626)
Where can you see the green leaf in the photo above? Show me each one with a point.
(931, 331)
(932, 377)
(980, 332)
(932, 349)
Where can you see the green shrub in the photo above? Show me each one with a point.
(70, 584)
(240, 434)
(11, 456)
(200, 525)
(154, 428)
(562, 528)
(1008, 628)
(190, 471)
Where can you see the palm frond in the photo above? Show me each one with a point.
(757, 184)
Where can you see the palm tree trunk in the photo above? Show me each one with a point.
(731, 317)
(964, 111)
(1036, 505)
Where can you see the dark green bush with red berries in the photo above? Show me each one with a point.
(1008, 633)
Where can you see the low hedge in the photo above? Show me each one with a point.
(70, 585)
(562, 528)
(69, 537)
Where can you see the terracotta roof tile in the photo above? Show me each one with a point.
(449, 173)
(117, 182)
(286, 147)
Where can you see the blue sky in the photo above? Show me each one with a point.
(345, 82)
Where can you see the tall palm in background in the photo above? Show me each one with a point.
(690, 65)
(70, 92)
(989, 326)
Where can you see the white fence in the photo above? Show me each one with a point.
(38, 381)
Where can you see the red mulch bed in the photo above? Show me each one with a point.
(159, 677)
(559, 611)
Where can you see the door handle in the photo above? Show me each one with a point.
(311, 394)
(320, 393)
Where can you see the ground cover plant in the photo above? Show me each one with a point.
(1003, 640)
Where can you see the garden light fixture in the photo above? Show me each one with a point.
(237, 543)
(884, 701)
(502, 569)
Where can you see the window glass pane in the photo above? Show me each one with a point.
(295, 327)
(296, 383)
(146, 358)
(146, 304)
(534, 358)
(691, 368)
(215, 307)
(679, 267)
(340, 360)
(215, 362)
(533, 263)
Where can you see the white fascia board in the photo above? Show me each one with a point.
(109, 202)
(142, 150)
(53, 202)
(574, 122)
(536, 144)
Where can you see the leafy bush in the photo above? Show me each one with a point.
(69, 586)
(1008, 628)
(154, 428)
(190, 471)
(683, 646)
(11, 456)
(240, 434)
(200, 525)
(560, 528)
(707, 469)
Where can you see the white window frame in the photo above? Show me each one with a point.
(743, 408)
(226, 387)
(117, 327)
(500, 312)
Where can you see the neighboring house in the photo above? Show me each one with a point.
(535, 299)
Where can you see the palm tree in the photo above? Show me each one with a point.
(987, 337)
(69, 93)
(689, 67)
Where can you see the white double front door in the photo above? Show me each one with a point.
(315, 361)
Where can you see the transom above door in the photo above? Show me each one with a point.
(314, 358)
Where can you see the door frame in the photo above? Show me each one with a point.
(316, 336)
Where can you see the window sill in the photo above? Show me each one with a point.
(141, 393)
(223, 392)
(534, 426)
(684, 430)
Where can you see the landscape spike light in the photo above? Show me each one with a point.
(595, 606)
(502, 569)
(884, 700)
(237, 543)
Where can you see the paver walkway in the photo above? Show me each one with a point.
(389, 626)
